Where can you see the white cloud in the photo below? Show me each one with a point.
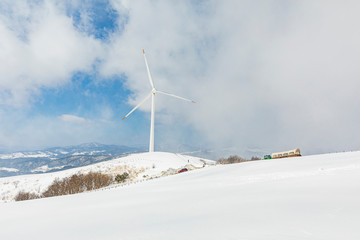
(72, 119)
(273, 74)
(40, 48)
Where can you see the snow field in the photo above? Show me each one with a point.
(314, 197)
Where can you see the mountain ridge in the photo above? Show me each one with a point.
(60, 158)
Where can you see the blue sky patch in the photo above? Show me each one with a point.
(97, 18)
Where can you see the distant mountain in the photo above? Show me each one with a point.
(60, 158)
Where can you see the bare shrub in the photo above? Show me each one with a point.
(232, 159)
(121, 177)
(94, 180)
(57, 188)
(22, 196)
(235, 159)
(78, 183)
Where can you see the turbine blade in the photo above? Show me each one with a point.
(148, 71)
(172, 95)
(147, 97)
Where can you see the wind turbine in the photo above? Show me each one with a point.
(152, 95)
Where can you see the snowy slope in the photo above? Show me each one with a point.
(314, 197)
(147, 164)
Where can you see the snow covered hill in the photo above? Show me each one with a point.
(144, 165)
(313, 197)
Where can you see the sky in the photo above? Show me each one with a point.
(270, 75)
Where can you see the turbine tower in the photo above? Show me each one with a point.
(152, 95)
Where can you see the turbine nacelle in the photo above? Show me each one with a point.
(152, 95)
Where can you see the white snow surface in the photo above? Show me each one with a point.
(9, 169)
(84, 153)
(311, 197)
(153, 165)
(45, 168)
(22, 155)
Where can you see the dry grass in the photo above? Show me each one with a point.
(132, 171)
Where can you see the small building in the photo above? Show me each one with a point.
(290, 153)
